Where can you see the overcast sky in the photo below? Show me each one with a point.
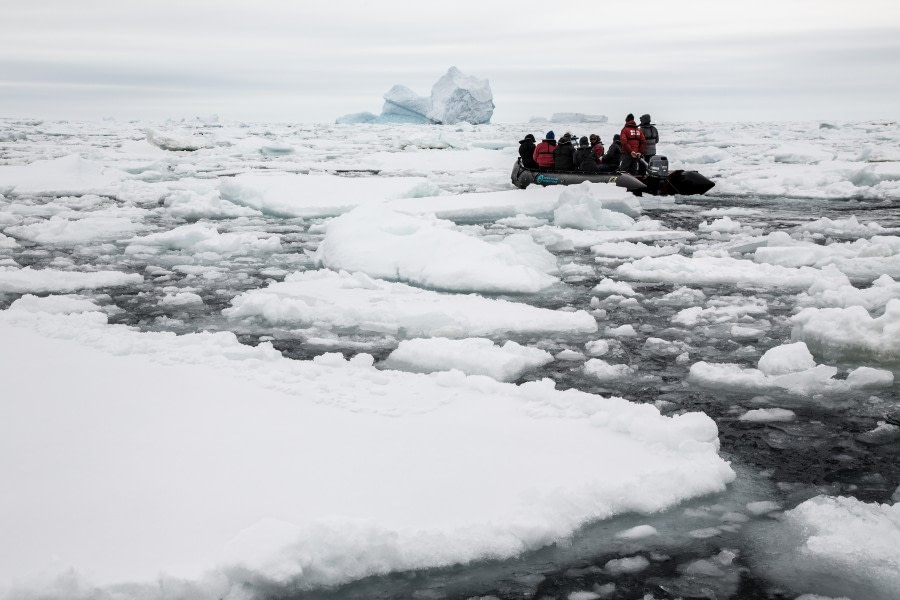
(294, 60)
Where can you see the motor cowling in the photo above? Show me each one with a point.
(658, 167)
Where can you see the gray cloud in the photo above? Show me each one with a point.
(295, 61)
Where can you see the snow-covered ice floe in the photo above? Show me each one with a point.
(332, 299)
(28, 280)
(837, 546)
(790, 368)
(723, 271)
(308, 196)
(432, 253)
(851, 333)
(249, 452)
(69, 175)
(472, 356)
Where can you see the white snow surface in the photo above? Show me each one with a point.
(61, 230)
(62, 176)
(723, 271)
(837, 546)
(321, 195)
(343, 300)
(36, 281)
(851, 332)
(247, 450)
(472, 356)
(790, 368)
(432, 253)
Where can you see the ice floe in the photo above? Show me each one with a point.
(790, 368)
(432, 253)
(851, 333)
(163, 442)
(36, 281)
(342, 300)
(834, 546)
(472, 356)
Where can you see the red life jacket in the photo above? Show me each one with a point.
(633, 139)
(543, 154)
(598, 152)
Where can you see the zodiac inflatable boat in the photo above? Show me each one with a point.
(658, 180)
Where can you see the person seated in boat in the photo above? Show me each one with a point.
(585, 160)
(633, 145)
(543, 152)
(609, 162)
(596, 146)
(564, 154)
(526, 151)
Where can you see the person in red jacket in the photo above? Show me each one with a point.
(633, 145)
(543, 152)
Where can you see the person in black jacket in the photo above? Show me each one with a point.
(610, 161)
(564, 154)
(526, 151)
(584, 156)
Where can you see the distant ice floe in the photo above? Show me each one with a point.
(768, 415)
(863, 258)
(789, 368)
(69, 175)
(308, 196)
(193, 206)
(455, 98)
(62, 230)
(39, 281)
(432, 253)
(838, 546)
(721, 310)
(341, 300)
(177, 140)
(849, 227)
(570, 118)
(200, 238)
(488, 438)
(606, 372)
(851, 333)
(472, 356)
(632, 250)
(833, 293)
(724, 271)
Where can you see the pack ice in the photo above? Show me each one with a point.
(295, 474)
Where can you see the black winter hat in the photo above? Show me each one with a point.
(645, 119)
(583, 141)
(630, 117)
(528, 138)
(566, 137)
(617, 137)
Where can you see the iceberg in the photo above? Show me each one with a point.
(455, 98)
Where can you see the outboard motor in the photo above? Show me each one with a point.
(659, 167)
(657, 171)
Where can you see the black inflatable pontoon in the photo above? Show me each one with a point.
(658, 180)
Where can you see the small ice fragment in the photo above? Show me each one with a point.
(637, 533)
(762, 507)
(631, 564)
